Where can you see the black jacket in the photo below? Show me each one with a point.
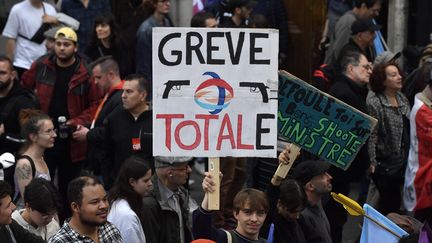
(354, 95)
(120, 128)
(369, 52)
(120, 52)
(285, 231)
(21, 235)
(161, 224)
(96, 136)
(22, 100)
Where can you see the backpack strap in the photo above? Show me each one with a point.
(33, 167)
(229, 236)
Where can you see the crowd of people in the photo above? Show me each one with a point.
(76, 111)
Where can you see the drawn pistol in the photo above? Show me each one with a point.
(253, 88)
(174, 85)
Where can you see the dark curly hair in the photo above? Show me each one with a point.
(379, 75)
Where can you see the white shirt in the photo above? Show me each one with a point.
(126, 220)
(45, 232)
(24, 19)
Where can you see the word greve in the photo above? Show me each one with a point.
(193, 43)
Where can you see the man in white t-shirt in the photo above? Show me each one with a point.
(24, 21)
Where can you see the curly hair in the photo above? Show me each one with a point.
(379, 75)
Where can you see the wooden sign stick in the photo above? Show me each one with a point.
(214, 170)
(282, 170)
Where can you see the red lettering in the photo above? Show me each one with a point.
(225, 123)
(197, 135)
(206, 128)
(239, 134)
(168, 120)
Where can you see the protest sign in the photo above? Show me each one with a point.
(320, 123)
(215, 92)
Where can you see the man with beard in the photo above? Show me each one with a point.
(312, 174)
(241, 11)
(13, 98)
(62, 83)
(89, 203)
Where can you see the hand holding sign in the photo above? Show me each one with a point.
(286, 159)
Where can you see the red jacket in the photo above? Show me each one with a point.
(83, 95)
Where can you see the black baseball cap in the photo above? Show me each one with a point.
(306, 170)
(361, 25)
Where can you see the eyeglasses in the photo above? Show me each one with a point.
(51, 131)
(367, 66)
(182, 169)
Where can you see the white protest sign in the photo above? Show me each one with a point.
(215, 92)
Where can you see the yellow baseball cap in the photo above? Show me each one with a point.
(66, 33)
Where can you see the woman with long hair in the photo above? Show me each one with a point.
(389, 142)
(132, 184)
(107, 41)
(38, 130)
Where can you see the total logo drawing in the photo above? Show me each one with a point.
(214, 94)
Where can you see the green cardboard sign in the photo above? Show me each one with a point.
(320, 123)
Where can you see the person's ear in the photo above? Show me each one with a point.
(33, 137)
(235, 214)
(144, 96)
(75, 207)
(309, 186)
(279, 205)
(132, 182)
(14, 75)
(350, 68)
